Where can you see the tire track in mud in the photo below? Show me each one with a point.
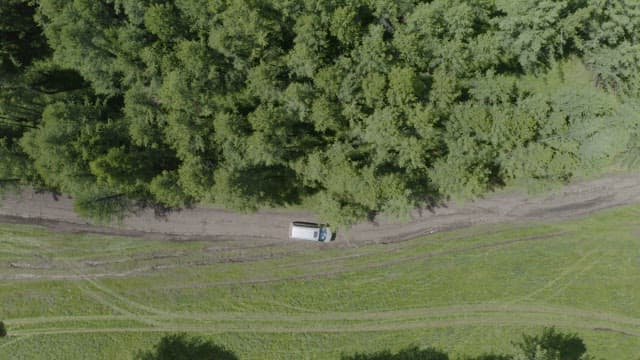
(102, 298)
(79, 275)
(270, 228)
(101, 294)
(377, 265)
(577, 199)
(15, 340)
(575, 268)
(400, 315)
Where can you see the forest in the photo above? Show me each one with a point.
(347, 108)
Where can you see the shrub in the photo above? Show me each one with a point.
(553, 344)
(181, 347)
(409, 353)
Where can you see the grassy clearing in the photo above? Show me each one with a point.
(467, 291)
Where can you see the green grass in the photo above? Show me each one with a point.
(468, 291)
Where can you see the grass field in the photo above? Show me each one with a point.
(468, 291)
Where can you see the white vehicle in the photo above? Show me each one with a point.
(302, 230)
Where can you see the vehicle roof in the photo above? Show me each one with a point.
(304, 232)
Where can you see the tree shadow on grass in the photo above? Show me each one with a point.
(181, 347)
(409, 353)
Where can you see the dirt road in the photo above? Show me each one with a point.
(570, 201)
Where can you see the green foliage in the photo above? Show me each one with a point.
(551, 345)
(182, 347)
(617, 69)
(51, 146)
(164, 21)
(489, 357)
(166, 189)
(539, 32)
(311, 46)
(79, 32)
(612, 46)
(409, 353)
(253, 187)
(28, 81)
(3, 329)
(20, 39)
(362, 108)
(101, 204)
(245, 32)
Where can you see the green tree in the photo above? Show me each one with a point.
(357, 108)
(409, 353)
(21, 41)
(166, 189)
(248, 31)
(51, 145)
(182, 347)
(165, 22)
(455, 36)
(102, 204)
(248, 189)
(28, 82)
(82, 36)
(551, 345)
(612, 46)
(348, 23)
(312, 49)
(538, 32)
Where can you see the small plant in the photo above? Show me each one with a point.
(3, 330)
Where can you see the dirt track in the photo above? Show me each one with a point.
(571, 201)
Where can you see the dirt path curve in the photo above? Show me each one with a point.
(570, 201)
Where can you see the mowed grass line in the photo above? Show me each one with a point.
(455, 340)
(578, 275)
(481, 314)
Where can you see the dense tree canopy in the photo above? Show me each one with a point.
(349, 108)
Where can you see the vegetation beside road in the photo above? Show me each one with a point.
(349, 109)
(466, 292)
(550, 345)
